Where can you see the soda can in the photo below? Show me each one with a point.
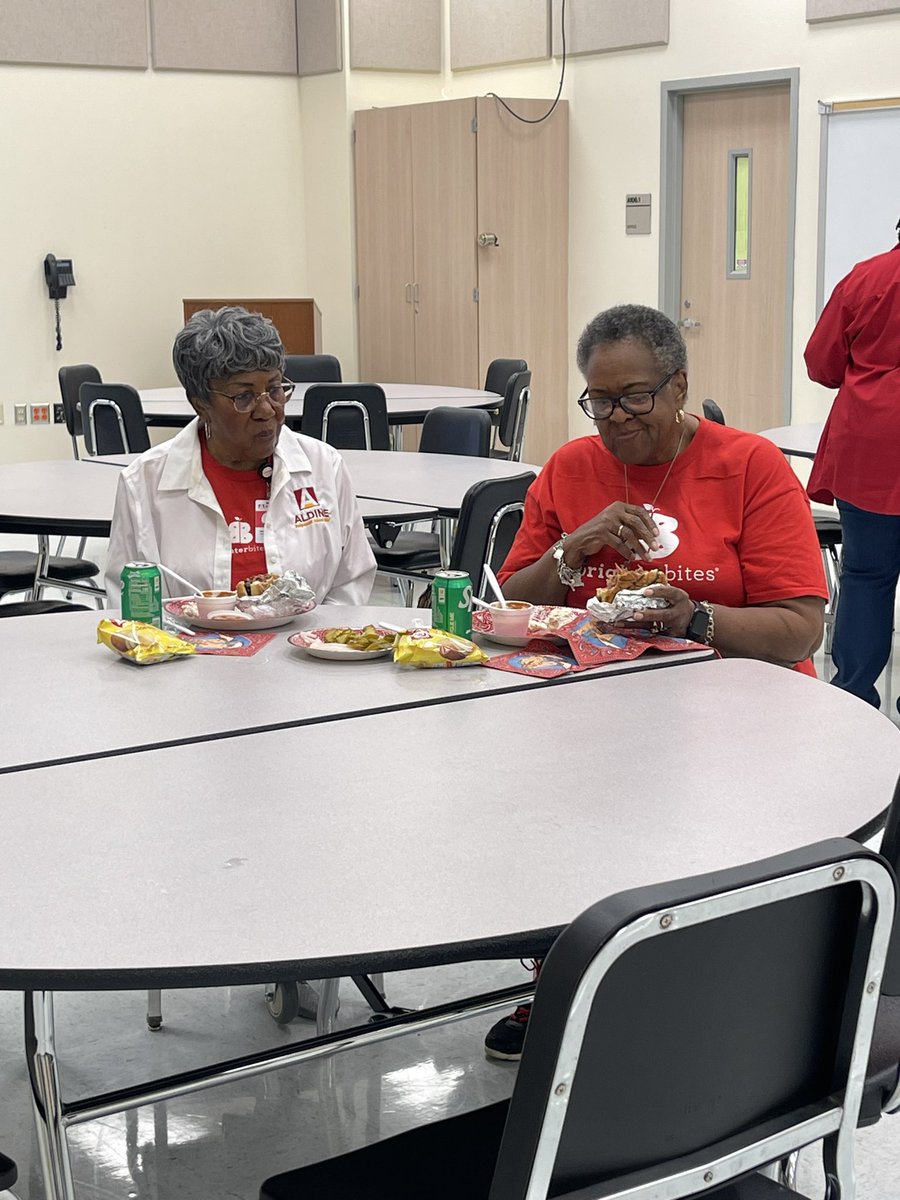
(142, 593)
(451, 603)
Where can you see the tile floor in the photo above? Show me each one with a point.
(224, 1142)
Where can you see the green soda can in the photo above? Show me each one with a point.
(142, 593)
(451, 603)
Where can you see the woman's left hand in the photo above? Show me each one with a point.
(672, 620)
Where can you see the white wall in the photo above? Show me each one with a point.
(615, 144)
(159, 185)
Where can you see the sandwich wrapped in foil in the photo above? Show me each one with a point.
(287, 596)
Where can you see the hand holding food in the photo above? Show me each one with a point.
(627, 528)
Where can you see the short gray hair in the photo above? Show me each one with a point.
(220, 343)
(634, 321)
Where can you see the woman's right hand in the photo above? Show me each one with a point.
(627, 528)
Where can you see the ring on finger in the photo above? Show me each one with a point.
(619, 531)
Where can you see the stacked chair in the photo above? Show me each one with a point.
(686, 1039)
(509, 421)
(312, 368)
(112, 419)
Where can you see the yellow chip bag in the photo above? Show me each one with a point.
(435, 648)
(141, 643)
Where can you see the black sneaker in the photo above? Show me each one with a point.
(505, 1039)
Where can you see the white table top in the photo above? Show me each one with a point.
(75, 699)
(406, 402)
(411, 477)
(65, 496)
(800, 440)
(178, 848)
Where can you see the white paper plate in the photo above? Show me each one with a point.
(483, 626)
(311, 642)
(232, 624)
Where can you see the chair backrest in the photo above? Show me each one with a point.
(70, 380)
(511, 429)
(113, 419)
(456, 431)
(351, 416)
(312, 368)
(695, 1031)
(499, 371)
(712, 412)
(489, 518)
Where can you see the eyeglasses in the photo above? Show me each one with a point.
(638, 404)
(276, 393)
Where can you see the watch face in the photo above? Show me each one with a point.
(698, 626)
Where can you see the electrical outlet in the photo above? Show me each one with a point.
(21, 411)
(59, 416)
(40, 414)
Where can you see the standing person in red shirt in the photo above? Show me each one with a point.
(855, 347)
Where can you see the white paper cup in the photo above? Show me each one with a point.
(210, 602)
(511, 620)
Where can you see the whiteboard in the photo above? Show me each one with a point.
(859, 199)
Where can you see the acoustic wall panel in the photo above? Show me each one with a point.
(225, 35)
(395, 35)
(319, 37)
(838, 10)
(81, 33)
(593, 28)
(488, 32)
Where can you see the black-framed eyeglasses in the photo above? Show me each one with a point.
(638, 404)
(276, 393)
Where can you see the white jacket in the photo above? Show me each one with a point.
(166, 512)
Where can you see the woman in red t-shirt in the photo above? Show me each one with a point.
(718, 509)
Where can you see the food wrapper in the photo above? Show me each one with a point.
(625, 605)
(287, 596)
(435, 648)
(141, 643)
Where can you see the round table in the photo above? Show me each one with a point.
(799, 440)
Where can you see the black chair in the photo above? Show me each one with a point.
(444, 431)
(70, 381)
(351, 416)
(8, 1173)
(712, 412)
(513, 412)
(499, 373)
(489, 518)
(112, 419)
(36, 608)
(684, 1037)
(312, 368)
(829, 533)
(19, 567)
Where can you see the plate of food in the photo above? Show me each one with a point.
(343, 643)
(546, 622)
(261, 602)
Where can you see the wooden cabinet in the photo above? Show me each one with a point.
(299, 322)
(437, 299)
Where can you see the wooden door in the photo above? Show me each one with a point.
(384, 245)
(732, 299)
(523, 280)
(443, 228)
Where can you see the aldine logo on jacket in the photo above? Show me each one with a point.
(311, 511)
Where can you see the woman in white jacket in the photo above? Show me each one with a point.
(235, 494)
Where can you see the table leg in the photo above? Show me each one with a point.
(396, 435)
(46, 1099)
(445, 539)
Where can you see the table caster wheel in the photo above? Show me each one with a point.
(283, 1001)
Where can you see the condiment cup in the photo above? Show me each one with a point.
(511, 619)
(210, 602)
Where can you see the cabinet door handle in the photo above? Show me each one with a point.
(415, 293)
(408, 290)
(488, 239)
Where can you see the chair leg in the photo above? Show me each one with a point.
(832, 562)
(154, 1009)
(326, 1013)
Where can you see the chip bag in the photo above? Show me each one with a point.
(435, 648)
(141, 643)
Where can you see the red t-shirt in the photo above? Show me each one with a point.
(243, 497)
(733, 519)
(855, 347)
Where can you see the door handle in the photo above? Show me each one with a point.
(488, 239)
(689, 323)
(415, 293)
(408, 290)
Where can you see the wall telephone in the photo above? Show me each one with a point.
(59, 277)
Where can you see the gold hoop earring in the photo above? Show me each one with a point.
(679, 416)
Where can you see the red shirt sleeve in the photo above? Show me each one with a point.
(828, 350)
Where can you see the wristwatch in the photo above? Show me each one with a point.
(567, 576)
(702, 625)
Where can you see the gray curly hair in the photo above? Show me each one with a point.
(648, 325)
(215, 344)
